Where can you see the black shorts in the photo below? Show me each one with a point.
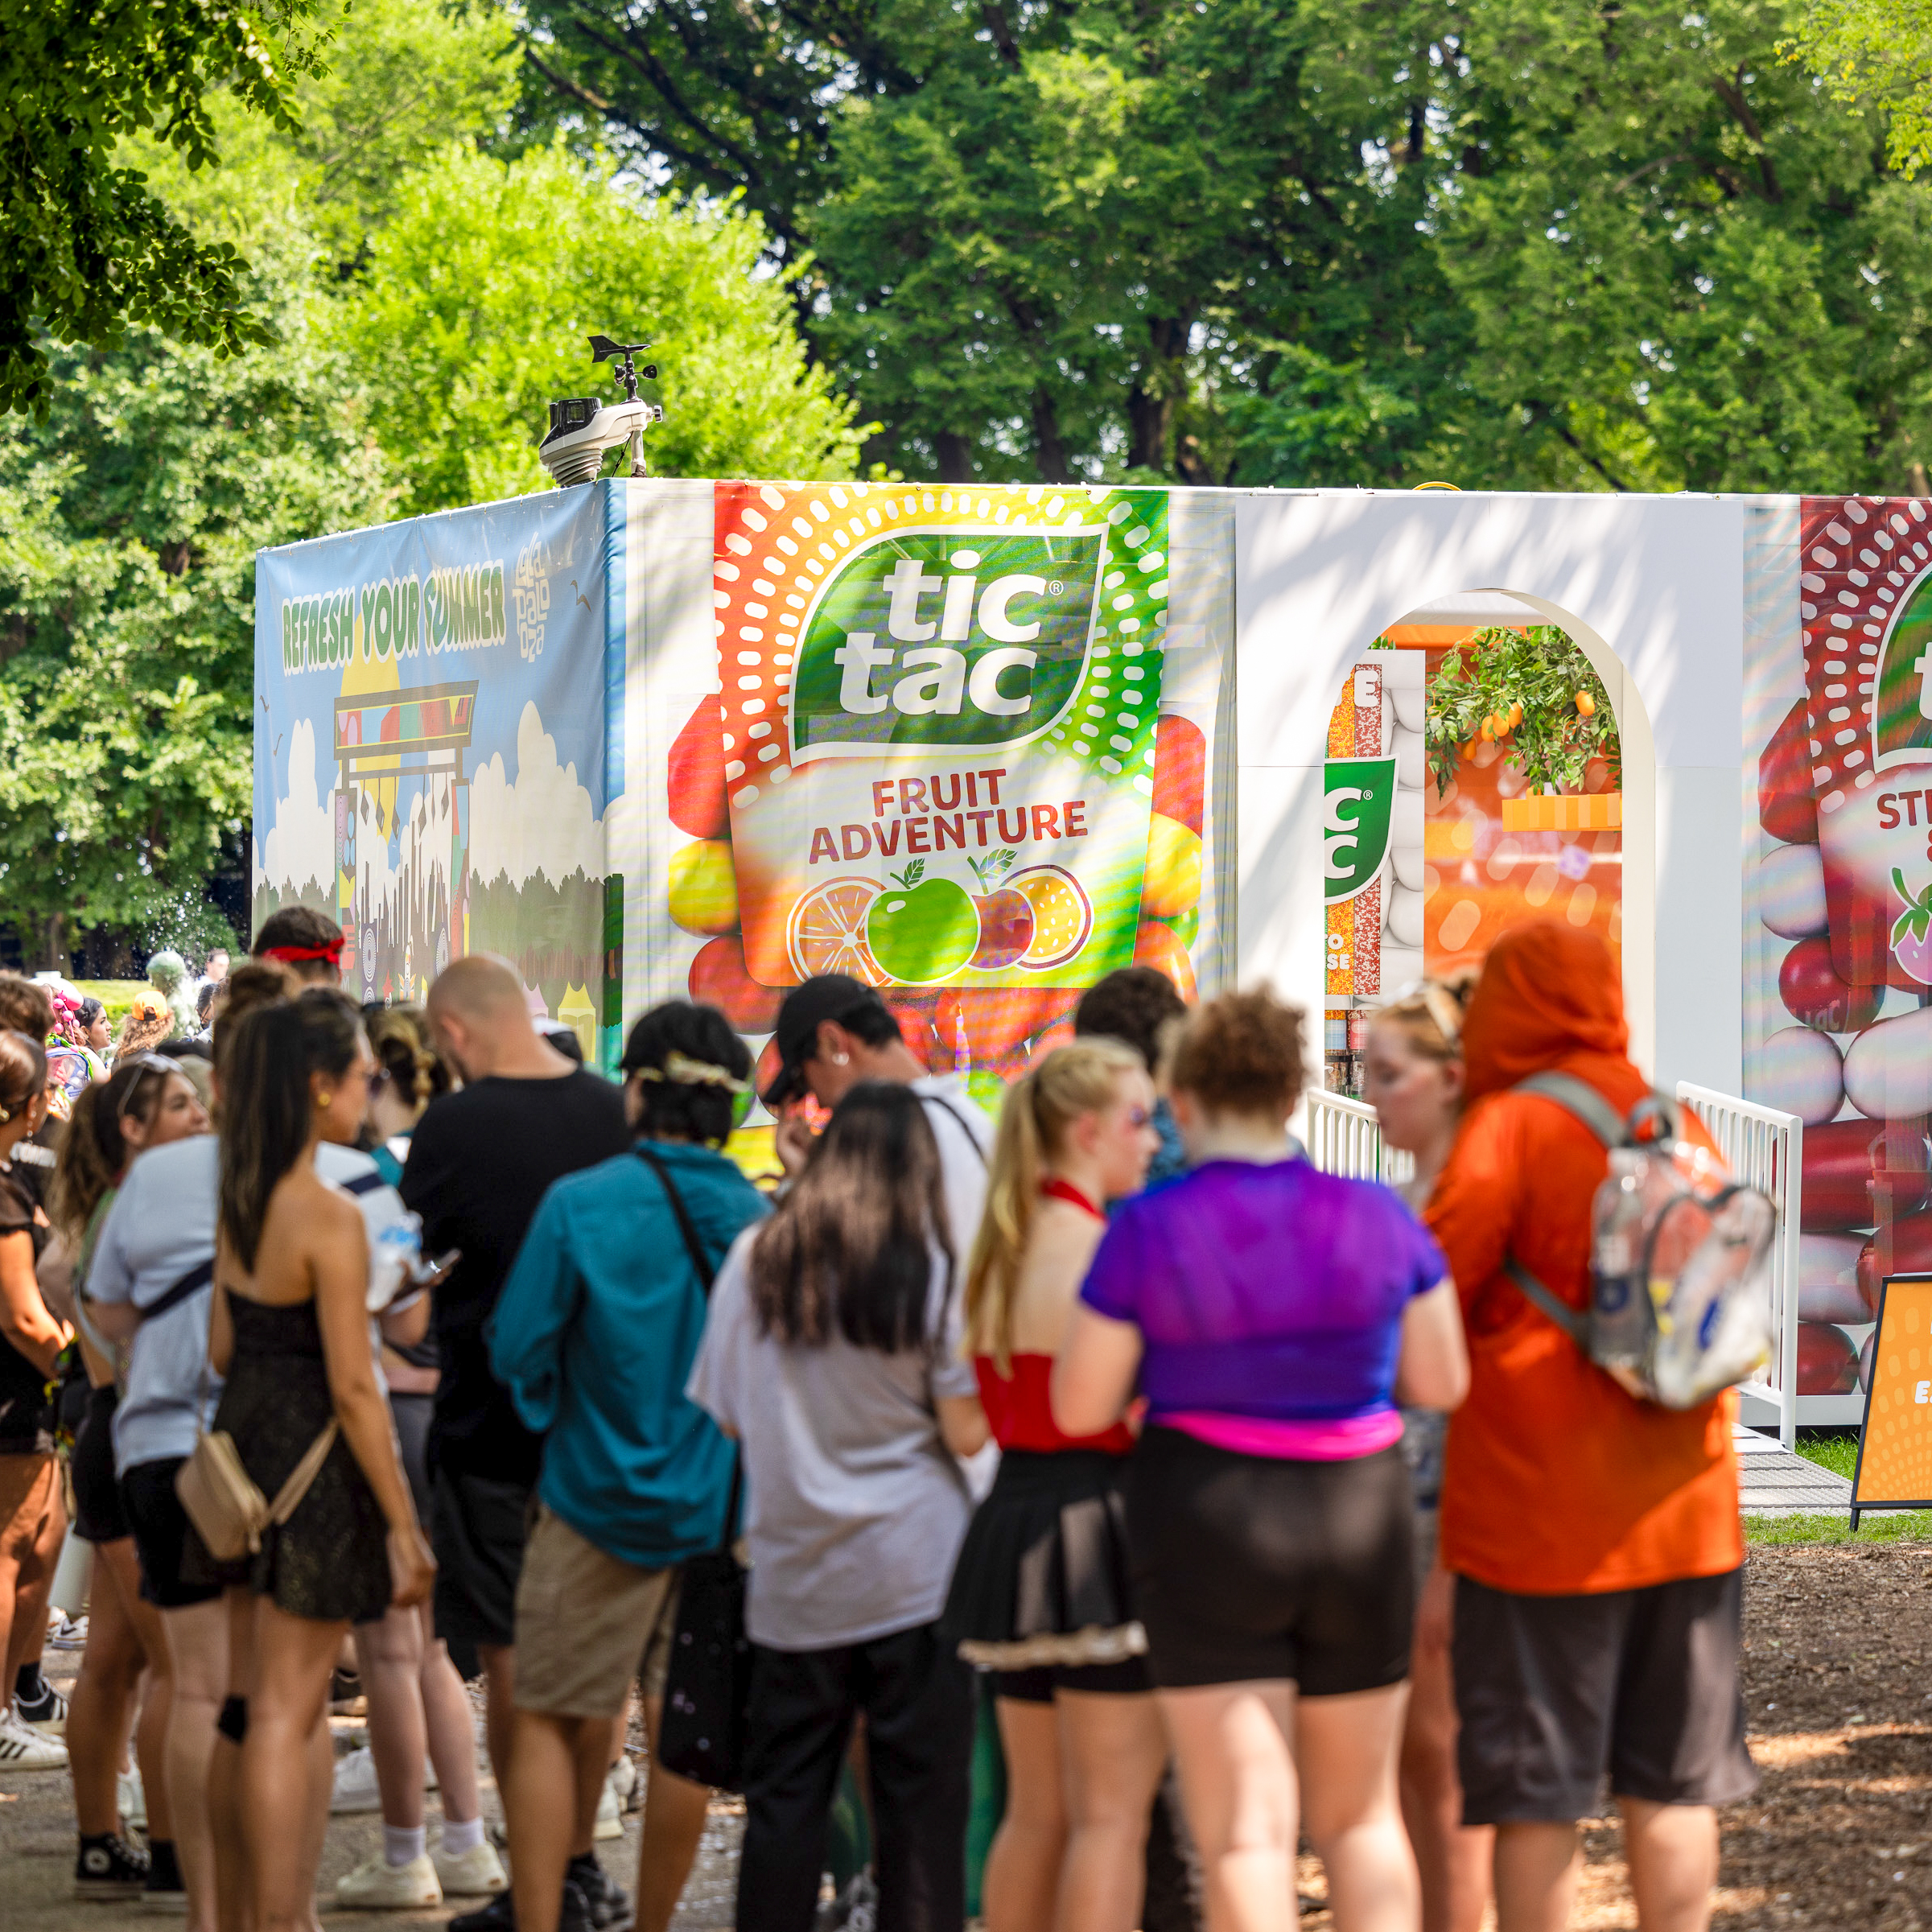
(98, 1515)
(1126, 1678)
(160, 1527)
(413, 1414)
(1555, 1691)
(1250, 1569)
(477, 1527)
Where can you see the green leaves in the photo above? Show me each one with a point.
(127, 628)
(86, 249)
(1475, 694)
(1501, 243)
(1875, 54)
(487, 277)
(993, 867)
(1916, 919)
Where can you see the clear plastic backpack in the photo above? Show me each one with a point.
(1680, 1257)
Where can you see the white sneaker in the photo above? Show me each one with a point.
(623, 1781)
(48, 1713)
(356, 1788)
(477, 1873)
(375, 1885)
(610, 1812)
(130, 1800)
(24, 1748)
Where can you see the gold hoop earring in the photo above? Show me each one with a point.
(325, 1100)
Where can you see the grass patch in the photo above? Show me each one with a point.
(117, 995)
(1837, 1450)
(1899, 1525)
(1833, 1449)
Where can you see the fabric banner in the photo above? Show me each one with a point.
(430, 726)
(1837, 952)
(959, 744)
(660, 738)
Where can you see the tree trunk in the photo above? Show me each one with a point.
(1156, 384)
(955, 457)
(1049, 446)
(53, 949)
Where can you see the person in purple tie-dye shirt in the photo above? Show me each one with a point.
(1271, 1316)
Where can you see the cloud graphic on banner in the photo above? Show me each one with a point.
(300, 848)
(541, 821)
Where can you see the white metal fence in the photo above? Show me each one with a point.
(1345, 1138)
(1765, 1149)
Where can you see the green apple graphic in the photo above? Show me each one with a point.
(925, 930)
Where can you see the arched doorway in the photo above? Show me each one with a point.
(1493, 817)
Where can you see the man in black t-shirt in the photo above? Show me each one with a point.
(479, 1161)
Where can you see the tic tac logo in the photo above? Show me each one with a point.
(946, 637)
(1359, 796)
(1901, 705)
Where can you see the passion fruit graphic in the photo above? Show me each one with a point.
(922, 931)
(1063, 915)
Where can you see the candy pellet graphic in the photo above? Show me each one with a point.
(1865, 586)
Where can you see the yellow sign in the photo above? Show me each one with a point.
(1895, 1445)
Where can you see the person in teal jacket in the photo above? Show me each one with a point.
(594, 1337)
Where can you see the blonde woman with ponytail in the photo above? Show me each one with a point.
(1039, 1596)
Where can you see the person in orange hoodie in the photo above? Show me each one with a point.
(1595, 1538)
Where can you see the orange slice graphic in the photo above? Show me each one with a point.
(1063, 915)
(826, 932)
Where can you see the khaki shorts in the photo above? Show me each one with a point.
(587, 1623)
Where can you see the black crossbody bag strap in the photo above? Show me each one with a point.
(172, 1297)
(946, 1106)
(707, 1274)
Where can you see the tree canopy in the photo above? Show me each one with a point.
(410, 278)
(484, 282)
(86, 247)
(1876, 53)
(1506, 243)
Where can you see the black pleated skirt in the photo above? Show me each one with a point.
(1042, 1577)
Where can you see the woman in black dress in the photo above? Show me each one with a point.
(290, 1333)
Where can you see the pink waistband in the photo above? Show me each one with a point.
(1339, 1441)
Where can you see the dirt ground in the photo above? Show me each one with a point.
(1837, 1694)
(1838, 1687)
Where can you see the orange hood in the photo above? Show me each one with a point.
(1550, 996)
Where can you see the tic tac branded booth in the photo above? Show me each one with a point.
(982, 745)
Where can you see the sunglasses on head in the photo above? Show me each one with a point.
(148, 1063)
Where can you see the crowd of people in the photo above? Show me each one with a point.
(1256, 1502)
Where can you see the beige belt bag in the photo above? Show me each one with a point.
(228, 1512)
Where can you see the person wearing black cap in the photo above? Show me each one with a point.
(834, 1032)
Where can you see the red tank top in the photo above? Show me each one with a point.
(1019, 1407)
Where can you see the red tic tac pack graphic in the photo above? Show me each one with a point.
(1865, 586)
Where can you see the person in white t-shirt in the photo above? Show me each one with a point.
(834, 1032)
